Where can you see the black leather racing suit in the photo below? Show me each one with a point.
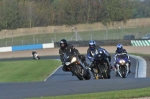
(70, 48)
(33, 52)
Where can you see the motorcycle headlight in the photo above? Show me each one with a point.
(73, 59)
(67, 63)
(122, 61)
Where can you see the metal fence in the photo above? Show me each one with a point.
(92, 31)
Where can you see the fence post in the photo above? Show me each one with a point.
(37, 40)
(12, 40)
(106, 32)
(55, 31)
(91, 30)
(33, 38)
(91, 37)
(119, 31)
(22, 42)
(6, 43)
(52, 41)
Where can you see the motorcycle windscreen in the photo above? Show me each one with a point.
(68, 56)
(99, 56)
(124, 57)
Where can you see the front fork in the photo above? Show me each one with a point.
(118, 69)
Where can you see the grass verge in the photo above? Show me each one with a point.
(124, 94)
(27, 70)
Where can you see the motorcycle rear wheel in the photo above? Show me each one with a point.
(87, 76)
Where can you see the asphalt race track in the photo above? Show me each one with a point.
(63, 83)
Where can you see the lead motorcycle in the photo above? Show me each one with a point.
(77, 68)
(101, 67)
(122, 65)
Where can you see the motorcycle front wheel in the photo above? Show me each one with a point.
(75, 70)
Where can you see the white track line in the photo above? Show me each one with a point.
(52, 73)
(137, 66)
(141, 66)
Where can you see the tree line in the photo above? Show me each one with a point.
(33, 13)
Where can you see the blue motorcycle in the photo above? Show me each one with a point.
(122, 65)
(101, 68)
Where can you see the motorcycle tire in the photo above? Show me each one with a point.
(75, 71)
(87, 76)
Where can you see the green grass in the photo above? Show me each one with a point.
(96, 35)
(27, 71)
(123, 94)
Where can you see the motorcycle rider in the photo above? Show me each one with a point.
(119, 50)
(33, 52)
(64, 47)
(91, 51)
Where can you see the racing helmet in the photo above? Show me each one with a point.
(63, 43)
(92, 45)
(119, 48)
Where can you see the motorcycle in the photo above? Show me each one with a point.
(101, 67)
(77, 68)
(122, 65)
(36, 56)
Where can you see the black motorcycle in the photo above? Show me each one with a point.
(101, 67)
(77, 68)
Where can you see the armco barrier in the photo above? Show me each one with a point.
(5, 49)
(48, 45)
(140, 42)
(27, 47)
